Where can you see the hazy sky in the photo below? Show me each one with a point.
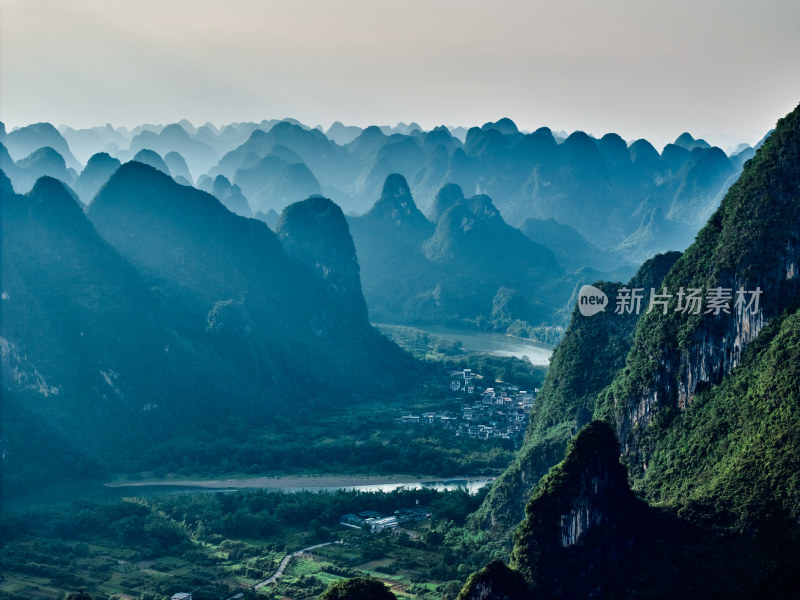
(724, 70)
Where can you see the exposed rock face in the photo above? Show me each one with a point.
(712, 357)
(706, 407)
(580, 521)
(19, 374)
(586, 535)
(750, 249)
(583, 489)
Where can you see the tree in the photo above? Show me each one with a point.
(358, 588)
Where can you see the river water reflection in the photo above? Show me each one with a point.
(495, 343)
(97, 491)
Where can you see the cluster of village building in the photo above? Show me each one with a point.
(493, 412)
(377, 522)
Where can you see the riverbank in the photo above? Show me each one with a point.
(113, 491)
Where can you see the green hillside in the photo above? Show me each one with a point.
(706, 408)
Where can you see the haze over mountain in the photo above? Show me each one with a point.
(98, 171)
(468, 269)
(626, 199)
(199, 156)
(159, 313)
(42, 162)
(268, 272)
(599, 205)
(230, 195)
(26, 140)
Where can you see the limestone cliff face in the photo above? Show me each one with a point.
(19, 374)
(583, 490)
(580, 520)
(750, 250)
(581, 517)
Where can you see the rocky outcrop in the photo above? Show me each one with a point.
(495, 582)
(580, 521)
(19, 374)
(396, 204)
(315, 232)
(706, 408)
(586, 535)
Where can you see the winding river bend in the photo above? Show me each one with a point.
(488, 342)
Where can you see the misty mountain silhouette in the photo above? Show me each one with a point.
(98, 170)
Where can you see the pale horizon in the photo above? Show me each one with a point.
(724, 71)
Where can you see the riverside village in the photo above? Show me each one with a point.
(492, 412)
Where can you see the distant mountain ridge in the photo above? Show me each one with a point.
(600, 205)
(623, 198)
(468, 269)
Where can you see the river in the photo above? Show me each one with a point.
(98, 491)
(498, 344)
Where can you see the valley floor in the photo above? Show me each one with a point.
(271, 544)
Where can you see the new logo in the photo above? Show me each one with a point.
(591, 300)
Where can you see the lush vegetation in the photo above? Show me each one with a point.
(626, 548)
(157, 314)
(346, 440)
(353, 439)
(591, 353)
(358, 588)
(167, 337)
(749, 243)
(735, 453)
(708, 416)
(215, 544)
